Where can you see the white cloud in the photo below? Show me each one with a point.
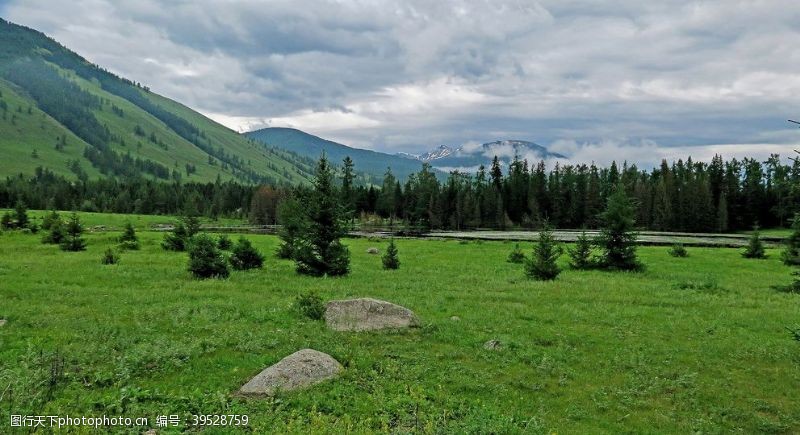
(410, 75)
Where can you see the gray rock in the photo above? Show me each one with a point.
(367, 314)
(492, 345)
(3, 322)
(299, 370)
(373, 251)
(455, 318)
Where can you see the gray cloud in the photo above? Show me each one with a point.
(411, 75)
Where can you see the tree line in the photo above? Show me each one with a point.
(723, 195)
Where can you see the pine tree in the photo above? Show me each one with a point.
(205, 260)
(224, 243)
(390, 259)
(581, 255)
(129, 239)
(320, 252)
(7, 222)
(617, 237)
(755, 247)
(516, 256)
(57, 234)
(791, 255)
(294, 222)
(74, 240)
(49, 219)
(21, 215)
(543, 263)
(244, 256)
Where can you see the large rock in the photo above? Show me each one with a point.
(3, 322)
(373, 251)
(299, 370)
(367, 314)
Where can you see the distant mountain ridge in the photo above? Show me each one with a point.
(308, 145)
(468, 157)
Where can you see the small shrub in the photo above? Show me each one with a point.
(224, 243)
(542, 265)
(755, 247)
(73, 240)
(129, 239)
(7, 222)
(109, 257)
(791, 255)
(581, 255)
(390, 259)
(244, 256)
(795, 332)
(516, 256)
(311, 305)
(205, 260)
(678, 250)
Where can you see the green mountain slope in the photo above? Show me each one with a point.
(59, 112)
(311, 146)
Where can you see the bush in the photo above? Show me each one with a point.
(57, 234)
(310, 305)
(73, 240)
(755, 247)
(224, 243)
(516, 256)
(7, 222)
(205, 260)
(244, 256)
(581, 255)
(390, 259)
(109, 257)
(129, 239)
(678, 250)
(542, 265)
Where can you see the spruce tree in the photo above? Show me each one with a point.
(244, 256)
(791, 255)
(224, 243)
(543, 263)
(755, 247)
(74, 240)
(7, 222)
(21, 215)
(617, 237)
(581, 254)
(109, 257)
(57, 233)
(205, 260)
(390, 259)
(293, 220)
(678, 250)
(516, 256)
(177, 239)
(129, 239)
(49, 219)
(319, 251)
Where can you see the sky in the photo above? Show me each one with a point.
(595, 80)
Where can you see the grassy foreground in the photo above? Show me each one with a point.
(694, 344)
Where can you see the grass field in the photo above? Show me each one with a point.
(690, 345)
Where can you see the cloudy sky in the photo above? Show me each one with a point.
(592, 79)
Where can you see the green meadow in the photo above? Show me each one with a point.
(697, 344)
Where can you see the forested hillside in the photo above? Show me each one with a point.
(59, 112)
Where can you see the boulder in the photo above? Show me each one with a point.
(492, 345)
(367, 314)
(2, 322)
(373, 251)
(299, 370)
(455, 318)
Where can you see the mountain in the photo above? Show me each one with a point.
(62, 113)
(308, 145)
(470, 157)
